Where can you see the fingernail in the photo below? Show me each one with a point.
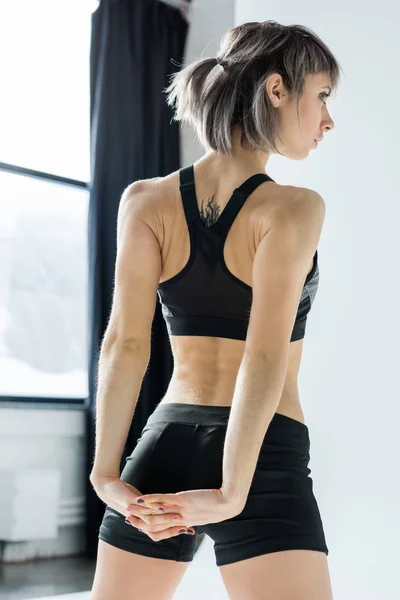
(140, 501)
(127, 521)
(182, 531)
(141, 530)
(162, 510)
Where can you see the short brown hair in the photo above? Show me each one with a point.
(236, 95)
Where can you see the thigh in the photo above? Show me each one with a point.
(122, 575)
(294, 574)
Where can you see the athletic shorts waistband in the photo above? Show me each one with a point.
(201, 414)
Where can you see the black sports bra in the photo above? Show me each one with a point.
(205, 298)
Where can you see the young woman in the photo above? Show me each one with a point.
(233, 258)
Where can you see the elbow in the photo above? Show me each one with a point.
(124, 344)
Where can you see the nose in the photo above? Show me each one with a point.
(327, 123)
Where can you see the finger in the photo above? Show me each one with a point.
(148, 529)
(169, 519)
(137, 523)
(160, 508)
(158, 499)
(148, 510)
(158, 528)
(144, 510)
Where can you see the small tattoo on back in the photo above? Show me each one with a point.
(211, 213)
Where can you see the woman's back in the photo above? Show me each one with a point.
(206, 367)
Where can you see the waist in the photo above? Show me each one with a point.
(205, 414)
(289, 404)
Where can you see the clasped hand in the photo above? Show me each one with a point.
(190, 508)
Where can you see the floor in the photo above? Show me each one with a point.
(71, 578)
(45, 578)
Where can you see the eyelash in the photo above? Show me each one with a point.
(326, 96)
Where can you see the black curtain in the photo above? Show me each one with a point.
(132, 137)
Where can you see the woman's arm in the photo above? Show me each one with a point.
(120, 374)
(279, 271)
(125, 351)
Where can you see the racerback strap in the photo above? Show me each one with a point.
(232, 208)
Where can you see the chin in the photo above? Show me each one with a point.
(297, 154)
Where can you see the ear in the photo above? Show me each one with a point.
(275, 89)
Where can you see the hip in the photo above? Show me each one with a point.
(181, 447)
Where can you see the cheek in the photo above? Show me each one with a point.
(310, 125)
(310, 113)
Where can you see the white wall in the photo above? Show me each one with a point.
(42, 438)
(349, 374)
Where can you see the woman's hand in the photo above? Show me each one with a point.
(121, 496)
(197, 507)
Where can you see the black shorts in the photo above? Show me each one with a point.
(181, 448)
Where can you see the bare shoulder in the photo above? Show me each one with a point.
(144, 195)
(291, 197)
(306, 204)
(311, 198)
(149, 200)
(291, 203)
(141, 188)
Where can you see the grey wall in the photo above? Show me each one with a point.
(209, 21)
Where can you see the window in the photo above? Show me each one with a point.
(44, 174)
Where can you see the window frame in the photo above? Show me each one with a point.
(39, 401)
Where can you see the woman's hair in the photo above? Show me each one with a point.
(236, 96)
